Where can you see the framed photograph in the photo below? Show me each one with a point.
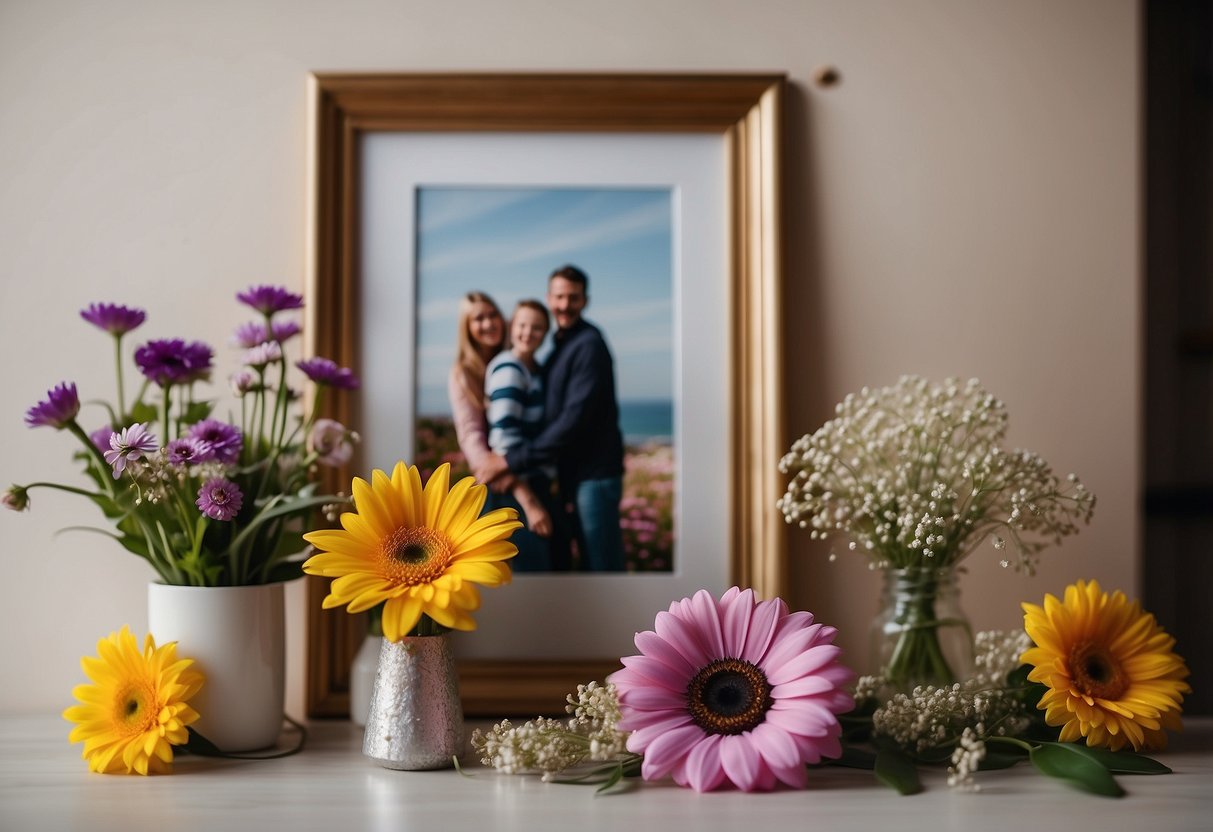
(663, 191)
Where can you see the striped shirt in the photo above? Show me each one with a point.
(515, 394)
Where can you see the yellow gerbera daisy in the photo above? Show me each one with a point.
(1109, 667)
(423, 551)
(135, 711)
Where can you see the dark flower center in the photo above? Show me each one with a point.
(411, 553)
(728, 696)
(1096, 672)
(133, 709)
(415, 555)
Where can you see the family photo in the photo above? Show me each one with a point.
(545, 366)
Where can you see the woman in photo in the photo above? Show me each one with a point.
(481, 337)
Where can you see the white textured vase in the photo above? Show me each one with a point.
(236, 636)
(416, 717)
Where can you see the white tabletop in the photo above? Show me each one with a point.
(45, 786)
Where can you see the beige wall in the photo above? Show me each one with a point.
(965, 202)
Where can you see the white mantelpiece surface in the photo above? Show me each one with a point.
(46, 787)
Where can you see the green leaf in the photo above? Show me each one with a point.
(1119, 762)
(196, 412)
(996, 759)
(143, 412)
(286, 571)
(611, 781)
(1063, 761)
(200, 745)
(895, 769)
(853, 757)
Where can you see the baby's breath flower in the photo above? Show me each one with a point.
(953, 721)
(547, 746)
(917, 474)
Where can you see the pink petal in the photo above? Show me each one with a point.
(635, 720)
(805, 686)
(796, 776)
(829, 747)
(702, 770)
(655, 671)
(648, 698)
(840, 702)
(684, 637)
(731, 593)
(741, 761)
(643, 736)
(776, 746)
(735, 623)
(791, 644)
(791, 623)
(762, 629)
(766, 778)
(651, 644)
(839, 674)
(668, 750)
(804, 718)
(806, 663)
(706, 617)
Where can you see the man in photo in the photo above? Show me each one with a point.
(581, 435)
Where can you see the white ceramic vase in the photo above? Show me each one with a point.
(362, 678)
(236, 636)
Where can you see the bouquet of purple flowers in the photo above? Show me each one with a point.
(206, 501)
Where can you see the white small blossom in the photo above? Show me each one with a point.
(549, 747)
(955, 719)
(912, 451)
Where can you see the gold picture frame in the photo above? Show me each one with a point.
(746, 110)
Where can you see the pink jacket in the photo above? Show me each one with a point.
(470, 425)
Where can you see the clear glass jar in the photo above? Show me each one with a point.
(921, 635)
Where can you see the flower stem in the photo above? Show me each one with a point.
(118, 374)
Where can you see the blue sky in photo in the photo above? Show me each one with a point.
(506, 241)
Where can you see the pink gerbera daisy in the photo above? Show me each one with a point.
(733, 690)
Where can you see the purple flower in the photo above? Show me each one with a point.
(60, 408)
(172, 361)
(249, 335)
(244, 381)
(270, 299)
(326, 372)
(130, 445)
(220, 499)
(113, 318)
(16, 498)
(186, 451)
(263, 354)
(101, 437)
(283, 331)
(332, 443)
(224, 439)
(254, 332)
